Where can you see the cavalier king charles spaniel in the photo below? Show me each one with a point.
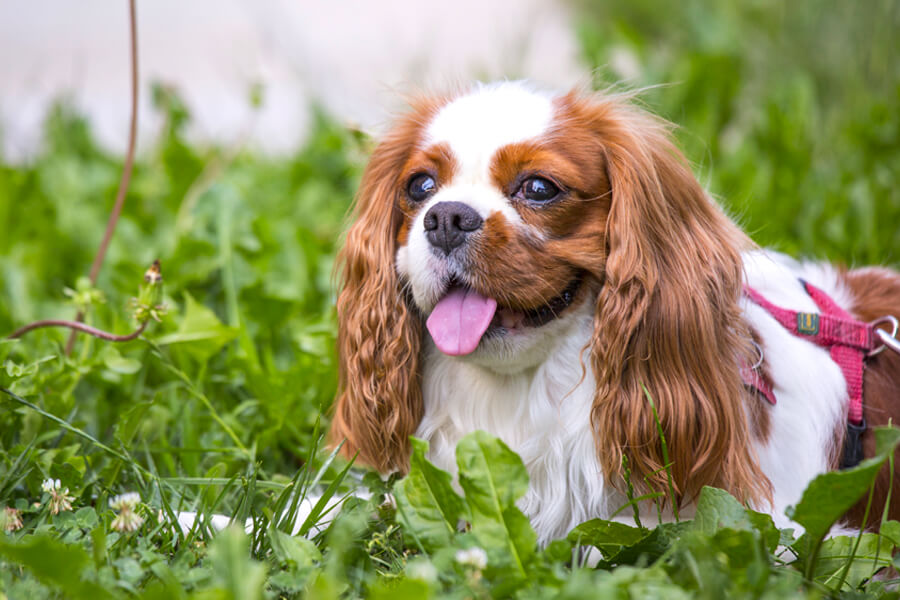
(547, 268)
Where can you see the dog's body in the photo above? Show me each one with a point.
(570, 270)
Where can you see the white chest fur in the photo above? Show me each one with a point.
(542, 413)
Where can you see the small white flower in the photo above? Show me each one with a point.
(474, 557)
(60, 499)
(127, 519)
(131, 500)
(11, 519)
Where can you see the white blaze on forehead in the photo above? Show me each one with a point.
(481, 122)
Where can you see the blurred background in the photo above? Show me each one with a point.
(254, 128)
(789, 111)
(351, 58)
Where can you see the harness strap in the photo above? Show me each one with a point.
(833, 326)
(752, 378)
(847, 339)
(849, 342)
(852, 340)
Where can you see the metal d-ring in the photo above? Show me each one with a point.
(759, 361)
(889, 340)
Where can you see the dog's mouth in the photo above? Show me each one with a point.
(463, 317)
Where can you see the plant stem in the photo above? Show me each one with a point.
(126, 172)
(75, 326)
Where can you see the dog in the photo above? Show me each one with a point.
(546, 267)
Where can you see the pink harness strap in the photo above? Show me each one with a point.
(754, 379)
(847, 339)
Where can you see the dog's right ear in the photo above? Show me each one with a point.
(379, 403)
(668, 331)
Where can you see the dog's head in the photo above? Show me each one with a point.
(489, 220)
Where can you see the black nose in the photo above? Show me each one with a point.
(447, 224)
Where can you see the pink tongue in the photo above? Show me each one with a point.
(459, 320)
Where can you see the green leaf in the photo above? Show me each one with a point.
(650, 547)
(764, 524)
(296, 550)
(238, 575)
(493, 478)
(15, 370)
(607, 536)
(721, 561)
(86, 517)
(891, 531)
(836, 551)
(54, 563)
(404, 589)
(717, 509)
(119, 364)
(561, 551)
(427, 500)
(830, 495)
(98, 545)
(201, 333)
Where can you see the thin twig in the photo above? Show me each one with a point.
(76, 326)
(126, 172)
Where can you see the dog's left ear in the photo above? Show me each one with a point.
(668, 323)
(379, 403)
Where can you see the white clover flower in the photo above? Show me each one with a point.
(127, 520)
(131, 500)
(473, 557)
(61, 502)
(60, 499)
(11, 519)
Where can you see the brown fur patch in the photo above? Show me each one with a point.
(583, 200)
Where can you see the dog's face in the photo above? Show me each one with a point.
(490, 221)
(503, 222)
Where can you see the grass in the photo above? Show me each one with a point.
(791, 114)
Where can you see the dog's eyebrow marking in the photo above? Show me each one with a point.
(476, 125)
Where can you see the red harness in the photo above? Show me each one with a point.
(848, 340)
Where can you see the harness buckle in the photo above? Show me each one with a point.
(887, 339)
(853, 450)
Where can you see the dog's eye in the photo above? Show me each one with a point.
(420, 187)
(538, 189)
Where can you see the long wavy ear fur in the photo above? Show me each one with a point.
(667, 322)
(379, 403)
